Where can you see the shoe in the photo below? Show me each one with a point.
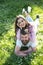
(29, 9)
(23, 10)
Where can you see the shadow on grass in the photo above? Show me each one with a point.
(15, 60)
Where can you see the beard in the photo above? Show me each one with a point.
(25, 42)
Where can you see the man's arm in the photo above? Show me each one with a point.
(18, 52)
(18, 47)
(30, 50)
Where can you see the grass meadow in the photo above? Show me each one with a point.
(9, 9)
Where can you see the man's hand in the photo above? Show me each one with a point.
(28, 51)
(18, 52)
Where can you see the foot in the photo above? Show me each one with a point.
(24, 12)
(29, 9)
(37, 16)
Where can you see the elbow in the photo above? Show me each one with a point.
(34, 49)
(16, 52)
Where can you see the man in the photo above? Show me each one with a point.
(25, 42)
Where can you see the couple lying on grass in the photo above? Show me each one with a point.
(25, 29)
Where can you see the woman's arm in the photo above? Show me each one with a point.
(18, 34)
(30, 50)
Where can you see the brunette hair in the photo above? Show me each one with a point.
(17, 27)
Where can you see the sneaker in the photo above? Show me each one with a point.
(23, 10)
(29, 9)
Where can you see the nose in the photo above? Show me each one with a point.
(24, 39)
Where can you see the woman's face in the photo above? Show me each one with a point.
(21, 23)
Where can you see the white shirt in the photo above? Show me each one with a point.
(19, 43)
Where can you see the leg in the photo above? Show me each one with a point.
(36, 23)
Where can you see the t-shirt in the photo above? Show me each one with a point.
(20, 44)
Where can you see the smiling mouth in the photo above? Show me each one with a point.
(25, 42)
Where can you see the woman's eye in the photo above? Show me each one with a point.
(22, 20)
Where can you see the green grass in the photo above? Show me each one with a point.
(9, 9)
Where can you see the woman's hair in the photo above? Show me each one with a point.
(17, 27)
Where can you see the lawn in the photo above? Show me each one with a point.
(9, 9)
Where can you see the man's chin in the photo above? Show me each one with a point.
(24, 43)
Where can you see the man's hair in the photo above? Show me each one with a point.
(23, 32)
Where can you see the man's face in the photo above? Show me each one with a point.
(25, 38)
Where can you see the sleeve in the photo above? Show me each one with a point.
(32, 35)
(33, 44)
(18, 34)
(18, 43)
